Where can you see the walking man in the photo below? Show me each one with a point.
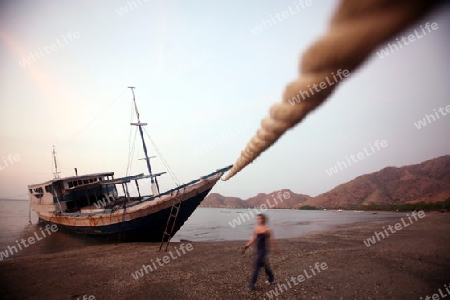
(262, 236)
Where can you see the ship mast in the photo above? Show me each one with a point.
(56, 173)
(154, 182)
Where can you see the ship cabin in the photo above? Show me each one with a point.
(71, 194)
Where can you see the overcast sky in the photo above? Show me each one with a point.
(204, 74)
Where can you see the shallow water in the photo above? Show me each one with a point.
(206, 224)
(215, 224)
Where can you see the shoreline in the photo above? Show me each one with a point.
(410, 263)
(67, 240)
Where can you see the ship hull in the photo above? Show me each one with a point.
(147, 228)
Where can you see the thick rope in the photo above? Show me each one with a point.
(355, 30)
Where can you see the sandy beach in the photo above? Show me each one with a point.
(411, 263)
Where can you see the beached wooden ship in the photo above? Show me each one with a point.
(90, 204)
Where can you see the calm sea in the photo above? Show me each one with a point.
(206, 224)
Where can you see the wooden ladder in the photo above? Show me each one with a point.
(175, 209)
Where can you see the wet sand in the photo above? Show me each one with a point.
(409, 264)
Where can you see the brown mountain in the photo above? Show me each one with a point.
(428, 181)
(279, 199)
(217, 200)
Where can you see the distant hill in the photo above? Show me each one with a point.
(428, 181)
(272, 199)
(217, 200)
(279, 199)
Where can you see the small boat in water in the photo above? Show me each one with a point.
(90, 204)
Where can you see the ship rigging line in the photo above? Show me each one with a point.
(165, 163)
(108, 106)
(131, 144)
